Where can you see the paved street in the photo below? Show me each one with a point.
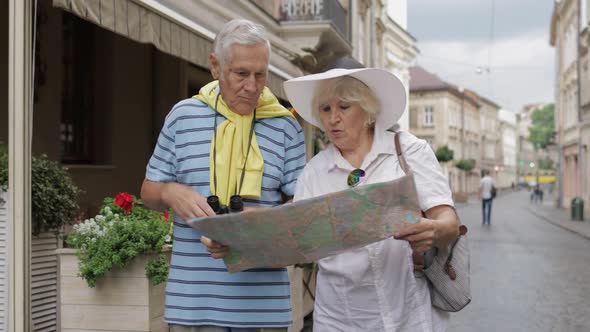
(528, 274)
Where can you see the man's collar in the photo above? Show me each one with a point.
(383, 143)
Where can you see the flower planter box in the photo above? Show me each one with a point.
(123, 300)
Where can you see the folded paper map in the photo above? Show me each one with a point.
(311, 229)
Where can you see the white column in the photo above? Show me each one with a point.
(19, 164)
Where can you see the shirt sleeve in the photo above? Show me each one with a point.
(431, 184)
(294, 158)
(162, 164)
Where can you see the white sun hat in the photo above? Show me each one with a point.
(388, 89)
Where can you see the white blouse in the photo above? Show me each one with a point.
(374, 288)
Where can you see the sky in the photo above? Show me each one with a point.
(456, 37)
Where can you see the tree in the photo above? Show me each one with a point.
(444, 154)
(542, 129)
(546, 163)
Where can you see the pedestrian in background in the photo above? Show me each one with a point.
(486, 186)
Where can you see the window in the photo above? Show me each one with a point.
(490, 151)
(452, 117)
(428, 116)
(83, 129)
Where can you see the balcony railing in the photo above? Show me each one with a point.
(314, 10)
(307, 11)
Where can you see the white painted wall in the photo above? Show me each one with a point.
(398, 11)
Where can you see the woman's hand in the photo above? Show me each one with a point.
(438, 229)
(216, 249)
(421, 236)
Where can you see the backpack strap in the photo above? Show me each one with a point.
(400, 155)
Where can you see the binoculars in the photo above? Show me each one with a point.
(235, 204)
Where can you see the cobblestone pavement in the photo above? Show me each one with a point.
(530, 268)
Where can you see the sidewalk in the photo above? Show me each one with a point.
(561, 218)
(546, 211)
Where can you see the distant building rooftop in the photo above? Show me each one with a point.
(424, 81)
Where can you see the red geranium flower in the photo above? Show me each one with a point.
(166, 215)
(125, 201)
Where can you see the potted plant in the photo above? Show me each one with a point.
(54, 194)
(53, 204)
(465, 165)
(115, 266)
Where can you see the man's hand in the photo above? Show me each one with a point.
(421, 235)
(216, 249)
(185, 202)
(253, 208)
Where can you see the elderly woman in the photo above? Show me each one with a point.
(373, 288)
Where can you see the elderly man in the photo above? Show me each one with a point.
(233, 138)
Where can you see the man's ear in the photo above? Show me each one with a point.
(215, 66)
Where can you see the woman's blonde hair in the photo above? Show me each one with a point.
(349, 90)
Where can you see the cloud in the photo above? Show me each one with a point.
(521, 72)
(472, 20)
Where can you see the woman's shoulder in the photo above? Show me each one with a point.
(408, 141)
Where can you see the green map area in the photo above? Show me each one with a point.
(315, 228)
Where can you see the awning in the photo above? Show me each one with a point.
(145, 21)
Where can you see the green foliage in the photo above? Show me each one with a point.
(542, 129)
(114, 237)
(444, 154)
(545, 163)
(54, 194)
(465, 164)
(157, 270)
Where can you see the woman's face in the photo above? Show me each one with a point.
(344, 123)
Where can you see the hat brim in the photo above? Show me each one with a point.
(387, 87)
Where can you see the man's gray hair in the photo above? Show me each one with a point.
(241, 32)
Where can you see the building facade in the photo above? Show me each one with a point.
(569, 34)
(506, 175)
(444, 114)
(380, 39)
(489, 145)
(526, 154)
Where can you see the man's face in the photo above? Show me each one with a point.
(244, 76)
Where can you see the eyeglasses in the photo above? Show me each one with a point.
(354, 177)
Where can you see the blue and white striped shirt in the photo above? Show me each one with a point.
(200, 291)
